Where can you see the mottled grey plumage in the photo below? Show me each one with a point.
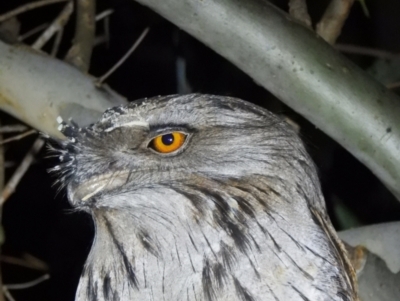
(236, 214)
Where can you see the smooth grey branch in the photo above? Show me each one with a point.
(303, 71)
(36, 89)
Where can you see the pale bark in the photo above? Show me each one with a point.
(36, 89)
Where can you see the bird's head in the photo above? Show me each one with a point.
(198, 140)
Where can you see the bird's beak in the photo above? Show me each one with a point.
(97, 184)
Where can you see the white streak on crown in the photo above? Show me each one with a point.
(135, 123)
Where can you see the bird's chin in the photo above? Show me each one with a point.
(82, 192)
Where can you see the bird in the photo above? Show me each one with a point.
(203, 198)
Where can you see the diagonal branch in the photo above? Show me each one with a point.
(27, 7)
(21, 170)
(56, 26)
(303, 71)
(37, 89)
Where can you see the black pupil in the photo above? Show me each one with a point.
(167, 139)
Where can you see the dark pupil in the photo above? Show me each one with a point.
(167, 139)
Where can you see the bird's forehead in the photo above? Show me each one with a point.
(188, 109)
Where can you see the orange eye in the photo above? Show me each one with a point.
(168, 143)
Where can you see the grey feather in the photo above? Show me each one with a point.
(236, 214)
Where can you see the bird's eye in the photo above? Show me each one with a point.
(168, 143)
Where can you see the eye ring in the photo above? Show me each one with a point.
(168, 142)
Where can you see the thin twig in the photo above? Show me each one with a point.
(7, 294)
(393, 85)
(104, 14)
(364, 8)
(100, 40)
(81, 51)
(57, 42)
(123, 59)
(330, 26)
(17, 137)
(106, 25)
(27, 262)
(354, 49)
(21, 286)
(106, 37)
(21, 170)
(55, 26)
(27, 7)
(13, 128)
(298, 10)
(32, 32)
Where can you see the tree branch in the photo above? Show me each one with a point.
(303, 71)
(27, 7)
(330, 26)
(81, 51)
(36, 89)
(56, 26)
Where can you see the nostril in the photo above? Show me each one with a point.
(113, 164)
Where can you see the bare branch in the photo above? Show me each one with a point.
(28, 261)
(354, 49)
(106, 37)
(21, 170)
(81, 51)
(40, 107)
(123, 59)
(104, 14)
(7, 294)
(27, 7)
(32, 32)
(330, 26)
(6, 129)
(298, 10)
(18, 137)
(55, 26)
(21, 286)
(57, 42)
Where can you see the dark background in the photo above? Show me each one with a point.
(39, 222)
